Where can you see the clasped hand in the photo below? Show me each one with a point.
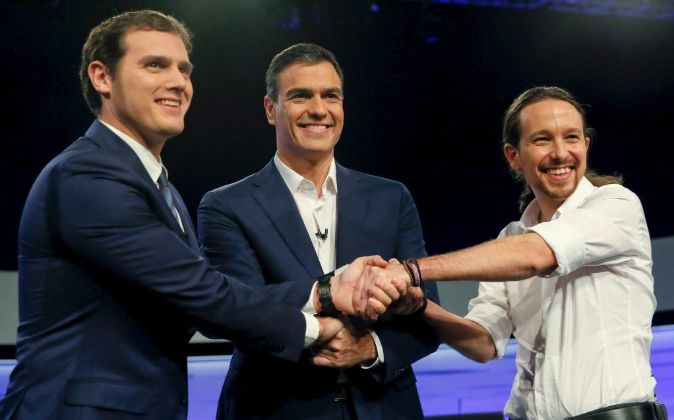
(370, 285)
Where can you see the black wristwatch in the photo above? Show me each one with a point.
(324, 296)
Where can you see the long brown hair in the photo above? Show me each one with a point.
(512, 132)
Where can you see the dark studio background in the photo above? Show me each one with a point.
(426, 84)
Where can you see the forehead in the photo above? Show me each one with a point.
(140, 42)
(320, 75)
(550, 114)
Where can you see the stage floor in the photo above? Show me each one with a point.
(449, 384)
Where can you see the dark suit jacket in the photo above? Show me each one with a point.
(253, 230)
(109, 287)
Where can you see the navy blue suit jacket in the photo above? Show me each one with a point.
(110, 290)
(253, 230)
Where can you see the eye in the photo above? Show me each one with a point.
(333, 96)
(299, 97)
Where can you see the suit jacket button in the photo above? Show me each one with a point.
(183, 400)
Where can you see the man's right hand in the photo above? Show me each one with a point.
(354, 292)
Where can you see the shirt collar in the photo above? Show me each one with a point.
(150, 163)
(294, 180)
(584, 189)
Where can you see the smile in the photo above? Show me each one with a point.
(169, 102)
(558, 171)
(317, 128)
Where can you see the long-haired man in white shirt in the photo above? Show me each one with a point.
(571, 280)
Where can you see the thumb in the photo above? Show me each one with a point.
(377, 261)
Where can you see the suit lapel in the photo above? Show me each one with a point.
(108, 141)
(273, 196)
(352, 204)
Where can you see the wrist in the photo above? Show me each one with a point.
(326, 305)
(413, 271)
(370, 348)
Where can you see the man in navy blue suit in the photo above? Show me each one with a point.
(111, 279)
(301, 216)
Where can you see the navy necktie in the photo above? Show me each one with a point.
(165, 191)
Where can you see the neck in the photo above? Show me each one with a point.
(315, 171)
(547, 210)
(155, 146)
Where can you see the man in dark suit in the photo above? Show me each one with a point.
(301, 216)
(111, 280)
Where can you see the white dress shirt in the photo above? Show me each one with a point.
(583, 331)
(318, 214)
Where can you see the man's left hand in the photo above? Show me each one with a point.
(348, 348)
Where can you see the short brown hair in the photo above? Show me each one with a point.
(105, 44)
(302, 53)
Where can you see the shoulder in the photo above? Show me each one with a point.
(370, 181)
(612, 194)
(219, 197)
(238, 188)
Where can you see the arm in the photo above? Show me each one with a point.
(465, 336)
(516, 257)
(229, 250)
(101, 215)
(228, 247)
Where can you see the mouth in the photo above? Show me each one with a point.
(559, 173)
(169, 103)
(314, 127)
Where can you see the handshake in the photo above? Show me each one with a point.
(367, 288)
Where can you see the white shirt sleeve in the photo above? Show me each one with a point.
(608, 230)
(490, 309)
(380, 352)
(313, 328)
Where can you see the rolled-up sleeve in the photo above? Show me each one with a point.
(608, 230)
(490, 309)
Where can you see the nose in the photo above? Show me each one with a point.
(317, 108)
(559, 150)
(177, 80)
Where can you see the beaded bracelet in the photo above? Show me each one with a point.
(412, 267)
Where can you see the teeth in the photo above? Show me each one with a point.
(559, 171)
(169, 102)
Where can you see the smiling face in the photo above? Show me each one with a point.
(150, 90)
(309, 113)
(552, 151)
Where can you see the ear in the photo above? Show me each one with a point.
(512, 156)
(587, 141)
(100, 78)
(269, 110)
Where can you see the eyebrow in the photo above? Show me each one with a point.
(183, 64)
(299, 90)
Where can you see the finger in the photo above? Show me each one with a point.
(378, 261)
(380, 295)
(370, 274)
(388, 287)
(400, 286)
(375, 308)
(393, 261)
(323, 361)
(356, 298)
